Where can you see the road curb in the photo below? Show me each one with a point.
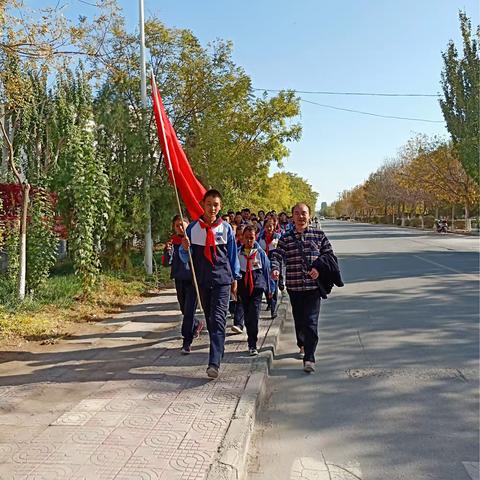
(231, 461)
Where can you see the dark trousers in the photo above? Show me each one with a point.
(273, 301)
(306, 310)
(187, 298)
(239, 314)
(251, 308)
(215, 305)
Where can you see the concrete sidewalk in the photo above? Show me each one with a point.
(127, 405)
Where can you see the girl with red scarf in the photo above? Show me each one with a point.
(182, 274)
(255, 281)
(268, 240)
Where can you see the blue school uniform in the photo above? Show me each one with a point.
(215, 275)
(269, 249)
(255, 281)
(186, 294)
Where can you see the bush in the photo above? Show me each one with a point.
(428, 222)
(416, 222)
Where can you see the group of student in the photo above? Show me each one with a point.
(238, 258)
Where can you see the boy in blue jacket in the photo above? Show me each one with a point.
(255, 269)
(215, 259)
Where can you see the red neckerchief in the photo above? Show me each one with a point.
(176, 239)
(210, 240)
(268, 241)
(248, 280)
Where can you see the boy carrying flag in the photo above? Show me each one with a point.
(214, 254)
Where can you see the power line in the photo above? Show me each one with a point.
(370, 113)
(368, 94)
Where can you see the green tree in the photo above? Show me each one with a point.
(461, 90)
(79, 176)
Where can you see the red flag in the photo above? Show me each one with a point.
(190, 189)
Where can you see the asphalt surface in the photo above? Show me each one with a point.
(395, 392)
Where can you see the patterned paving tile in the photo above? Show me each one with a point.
(133, 472)
(192, 464)
(96, 472)
(91, 405)
(106, 419)
(163, 444)
(71, 454)
(111, 455)
(126, 436)
(6, 452)
(73, 418)
(34, 453)
(148, 457)
(89, 435)
(53, 472)
(55, 434)
(142, 421)
(121, 405)
(15, 471)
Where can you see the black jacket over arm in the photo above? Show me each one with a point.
(327, 266)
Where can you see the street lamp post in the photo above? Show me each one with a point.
(148, 256)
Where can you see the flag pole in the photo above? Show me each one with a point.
(167, 154)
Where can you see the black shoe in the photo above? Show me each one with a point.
(273, 316)
(185, 350)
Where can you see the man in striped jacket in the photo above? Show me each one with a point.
(298, 249)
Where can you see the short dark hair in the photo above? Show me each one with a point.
(302, 203)
(249, 228)
(261, 211)
(240, 228)
(246, 210)
(212, 193)
(230, 212)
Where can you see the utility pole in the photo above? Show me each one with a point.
(148, 257)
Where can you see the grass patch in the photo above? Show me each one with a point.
(55, 310)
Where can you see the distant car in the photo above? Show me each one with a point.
(322, 218)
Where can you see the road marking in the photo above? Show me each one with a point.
(307, 468)
(444, 266)
(473, 469)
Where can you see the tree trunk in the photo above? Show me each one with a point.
(453, 218)
(468, 223)
(22, 270)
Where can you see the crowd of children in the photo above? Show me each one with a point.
(237, 259)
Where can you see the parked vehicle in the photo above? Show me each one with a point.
(442, 226)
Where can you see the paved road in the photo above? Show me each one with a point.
(395, 395)
(123, 404)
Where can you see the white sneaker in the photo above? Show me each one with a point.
(309, 367)
(236, 329)
(301, 353)
(212, 371)
(253, 352)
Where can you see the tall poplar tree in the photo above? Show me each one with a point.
(461, 90)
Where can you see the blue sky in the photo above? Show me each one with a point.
(342, 46)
